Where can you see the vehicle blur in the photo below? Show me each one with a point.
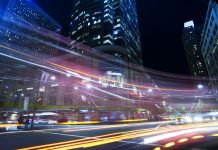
(197, 117)
(46, 118)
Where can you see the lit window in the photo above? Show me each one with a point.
(106, 15)
(108, 36)
(97, 37)
(106, 10)
(116, 32)
(79, 27)
(107, 42)
(73, 32)
(77, 3)
(117, 26)
(76, 18)
(81, 14)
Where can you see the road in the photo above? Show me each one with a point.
(97, 137)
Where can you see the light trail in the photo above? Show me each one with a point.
(139, 86)
(66, 68)
(115, 137)
(9, 125)
(89, 75)
(134, 89)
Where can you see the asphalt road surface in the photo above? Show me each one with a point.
(99, 137)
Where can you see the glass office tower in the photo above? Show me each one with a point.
(209, 43)
(107, 22)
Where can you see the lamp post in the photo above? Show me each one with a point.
(89, 86)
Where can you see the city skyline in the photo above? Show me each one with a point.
(84, 87)
(168, 55)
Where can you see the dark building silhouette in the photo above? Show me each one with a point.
(191, 38)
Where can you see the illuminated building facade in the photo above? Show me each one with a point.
(24, 17)
(191, 45)
(107, 22)
(27, 29)
(209, 43)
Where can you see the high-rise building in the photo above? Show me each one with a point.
(107, 22)
(24, 24)
(209, 43)
(191, 45)
(25, 30)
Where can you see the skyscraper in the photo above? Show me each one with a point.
(25, 30)
(107, 22)
(191, 45)
(209, 43)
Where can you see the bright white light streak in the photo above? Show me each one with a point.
(95, 96)
(115, 95)
(32, 63)
(157, 138)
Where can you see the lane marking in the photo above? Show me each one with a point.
(105, 139)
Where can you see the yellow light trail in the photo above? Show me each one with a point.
(157, 148)
(9, 125)
(198, 137)
(114, 137)
(215, 134)
(169, 144)
(183, 140)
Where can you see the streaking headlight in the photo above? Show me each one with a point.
(198, 119)
(188, 119)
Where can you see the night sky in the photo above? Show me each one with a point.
(160, 24)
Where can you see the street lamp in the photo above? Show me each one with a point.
(68, 75)
(200, 86)
(89, 86)
(53, 78)
(150, 90)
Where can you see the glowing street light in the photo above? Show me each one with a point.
(53, 78)
(88, 86)
(68, 75)
(76, 88)
(150, 90)
(200, 86)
